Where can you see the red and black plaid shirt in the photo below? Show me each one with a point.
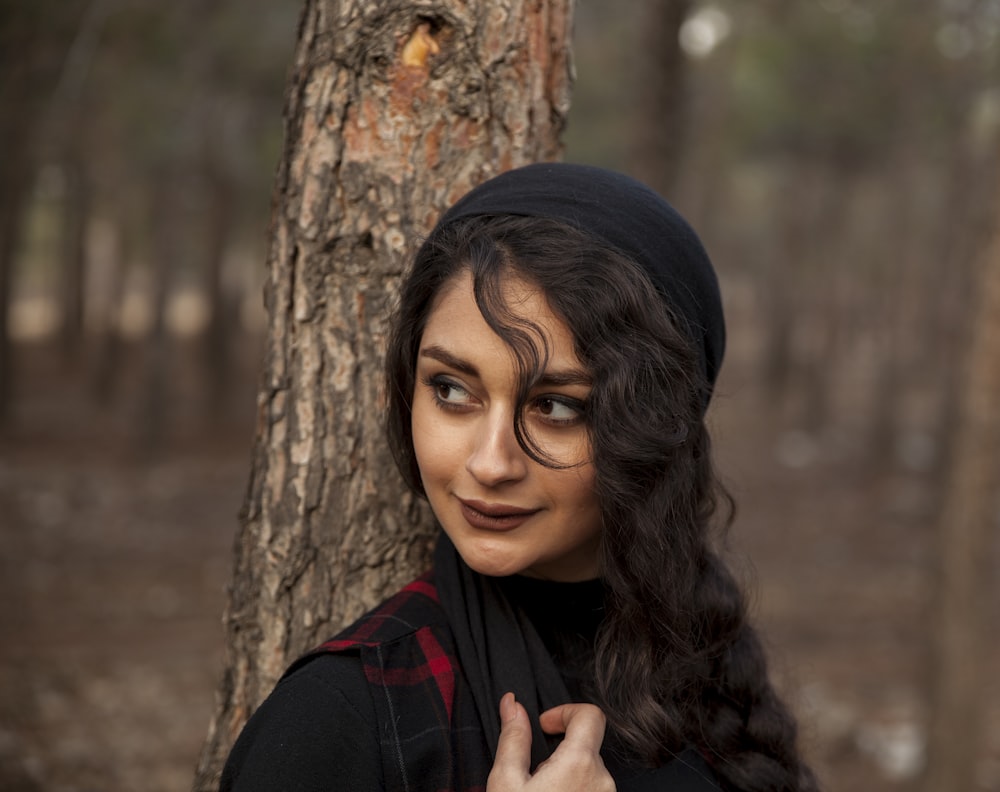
(429, 730)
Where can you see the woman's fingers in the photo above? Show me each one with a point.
(575, 766)
(576, 763)
(583, 724)
(513, 758)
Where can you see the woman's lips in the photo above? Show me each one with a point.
(494, 516)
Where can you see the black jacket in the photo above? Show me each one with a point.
(385, 706)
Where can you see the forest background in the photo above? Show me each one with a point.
(840, 160)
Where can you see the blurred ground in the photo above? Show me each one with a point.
(113, 581)
(115, 562)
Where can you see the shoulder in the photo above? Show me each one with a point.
(406, 649)
(690, 771)
(321, 721)
(318, 723)
(686, 772)
(414, 608)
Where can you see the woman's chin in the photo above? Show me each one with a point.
(490, 564)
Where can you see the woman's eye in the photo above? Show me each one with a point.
(447, 392)
(558, 411)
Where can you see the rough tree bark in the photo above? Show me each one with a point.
(393, 110)
(967, 527)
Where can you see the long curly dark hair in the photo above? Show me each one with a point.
(677, 662)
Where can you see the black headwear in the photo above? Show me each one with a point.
(629, 216)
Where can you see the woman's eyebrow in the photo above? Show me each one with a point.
(548, 379)
(566, 377)
(442, 355)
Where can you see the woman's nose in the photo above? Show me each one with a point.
(496, 456)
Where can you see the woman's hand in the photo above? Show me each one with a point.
(575, 766)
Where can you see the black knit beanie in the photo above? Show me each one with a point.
(627, 215)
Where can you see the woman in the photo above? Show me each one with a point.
(552, 357)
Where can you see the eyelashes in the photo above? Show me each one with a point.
(560, 411)
(448, 395)
(550, 409)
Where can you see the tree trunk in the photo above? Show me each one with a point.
(165, 256)
(393, 111)
(662, 101)
(22, 80)
(75, 216)
(107, 363)
(968, 520)
(13, 194)
(219, 191)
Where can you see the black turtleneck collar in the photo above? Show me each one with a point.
(566, 617)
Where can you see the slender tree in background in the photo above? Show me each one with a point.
(63, 121)
(967, 527)
(393, 111)
(32, 42)
(662, 101)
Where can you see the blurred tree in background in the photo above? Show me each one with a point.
(148, 138)
(33, 43)
(839, 158)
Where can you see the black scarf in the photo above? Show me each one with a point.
(498, 648)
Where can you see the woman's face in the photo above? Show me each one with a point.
(505, 513)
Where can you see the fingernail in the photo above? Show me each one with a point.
(507, 709)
